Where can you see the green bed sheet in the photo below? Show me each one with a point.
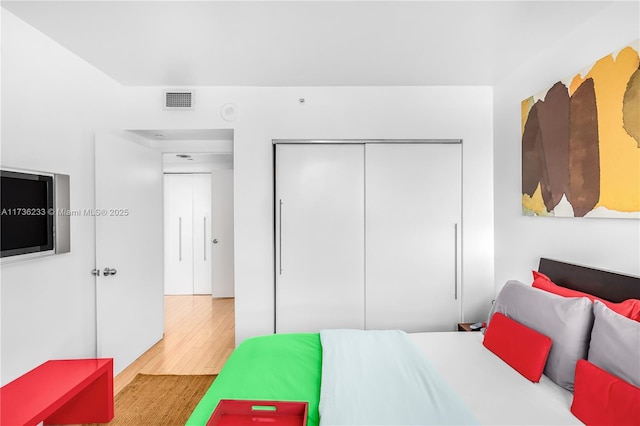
(282, 367)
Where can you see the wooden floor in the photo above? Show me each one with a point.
(199, 336)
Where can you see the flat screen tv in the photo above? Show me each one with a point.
(27, 208)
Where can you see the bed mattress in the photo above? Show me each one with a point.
(494, 392)
(288, 367)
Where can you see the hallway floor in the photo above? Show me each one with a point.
(199, 336)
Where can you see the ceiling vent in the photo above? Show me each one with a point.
(178, 100)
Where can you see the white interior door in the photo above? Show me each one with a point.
(201, 233)
(178, 223)
(129, 241)
(319, 237)
(222, 233)
(413, 208)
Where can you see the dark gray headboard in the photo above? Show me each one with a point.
(607, 285)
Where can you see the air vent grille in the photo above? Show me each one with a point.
(178, 100)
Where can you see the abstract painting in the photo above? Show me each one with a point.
(581, 142)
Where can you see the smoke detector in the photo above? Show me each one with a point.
(229, 112)
(178, 100)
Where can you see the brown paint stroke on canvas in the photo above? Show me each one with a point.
(631, 107)
(553, 115)
(584, 153)
(531, 166)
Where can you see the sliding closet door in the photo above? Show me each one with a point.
(187, 219)
(319, 237)
(201, 204)
(178, 234)
(413, 210)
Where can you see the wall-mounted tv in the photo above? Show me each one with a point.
(30, 223)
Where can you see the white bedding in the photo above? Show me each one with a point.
(380, 377)
(495, 393)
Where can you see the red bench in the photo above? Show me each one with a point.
(60, 392)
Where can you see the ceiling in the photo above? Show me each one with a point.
(305, 43)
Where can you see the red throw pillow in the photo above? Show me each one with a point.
(524, 349)
(600, 398)
(630, 308)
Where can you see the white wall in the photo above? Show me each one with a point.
(520, 241)
(334, 113)
(1, 44)
(52, 104)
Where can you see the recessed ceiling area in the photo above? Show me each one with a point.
(186, 134)
(189, 140)
(196, 162)
(305, 43)
(191, 150)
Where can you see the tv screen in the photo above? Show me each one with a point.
(27, 213)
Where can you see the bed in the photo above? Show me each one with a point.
(480, 387)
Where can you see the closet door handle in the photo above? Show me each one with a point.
(280, 237)
(180, 239)
(455, 262)
(204, 234)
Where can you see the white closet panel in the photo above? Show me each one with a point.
(187, 212)
(413, 214)
(201, 233)
(178, 247)
(319, 237)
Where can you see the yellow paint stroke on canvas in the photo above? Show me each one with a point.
(526, 106)
(535, 203)
(619, 152)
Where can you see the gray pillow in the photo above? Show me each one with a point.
(566, 320)
(615, 344)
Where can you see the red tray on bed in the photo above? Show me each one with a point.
(236, 412)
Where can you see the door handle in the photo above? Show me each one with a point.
(180, 239)
(95, 272)
(109, 271)
(455, 263)
(214, 241)
(280, 237)
(205, 239)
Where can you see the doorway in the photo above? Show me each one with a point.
(129, 324)
(201, 241)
